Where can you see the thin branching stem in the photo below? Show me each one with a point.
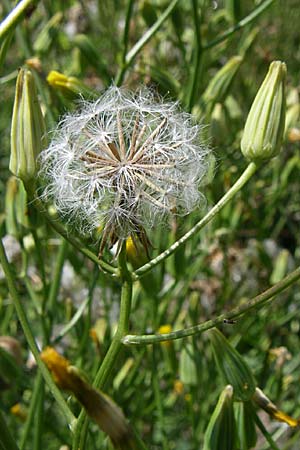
(106, 267)
(142, 42)
(244, 308)
(197, 56)
(111, 357)
(241, 24)
(14, 17)
(11, 281)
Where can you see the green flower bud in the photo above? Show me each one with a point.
(263, 133)
(246, 428)
(218, 88)
(221, 430)
(16, 211)
(232, 366)
(27, 129)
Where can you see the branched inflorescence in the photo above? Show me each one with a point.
(124, 163)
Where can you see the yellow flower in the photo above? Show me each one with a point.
(98, 406)
(164, 329)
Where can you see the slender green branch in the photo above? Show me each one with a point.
(265, 432)
(246, 175)
(40, 259)
(14, 17)
(127, 28)
(111, 356)
(123, 324)
(241, 24)
(245, 307)
(55, 285)
(106, 267)
(197, 56)
(32, 410)
(30, 338)
(143, 41)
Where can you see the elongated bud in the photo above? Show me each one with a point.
(221, 430)
(246, 428)
(263, 133)
(265, 403)
(27, 129)
(219, 86)
(98, 406)
(232, 366)
(16, 209)
(70, 87)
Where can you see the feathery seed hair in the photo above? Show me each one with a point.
(124, 163)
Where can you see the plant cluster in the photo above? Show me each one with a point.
(149, 225)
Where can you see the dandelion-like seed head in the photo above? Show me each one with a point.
(124, 163)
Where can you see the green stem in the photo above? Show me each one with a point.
(55, 285)
(240, 310)
(143, 41)
(14, 17)
(32, 410)
(39, 419)
(158, 401)
(111, 356)
(241, 24)
(198, 55)
(7, 442)
(265, 432)
(40, 258)
(123, 324)
(126, 29)
(246, 175)
(11, 281)
(63, 232)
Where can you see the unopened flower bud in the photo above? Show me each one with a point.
(263, 133)
(16, 209)
(27, 129)
(265, 403)
(101, 408)
(232, 366)
(246, 427)
(218, 88)
(221, 430)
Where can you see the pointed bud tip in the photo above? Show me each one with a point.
(264, 128)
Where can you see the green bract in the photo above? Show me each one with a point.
(27, 129)
(221, 430)
(232, 366)
(263, 133)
